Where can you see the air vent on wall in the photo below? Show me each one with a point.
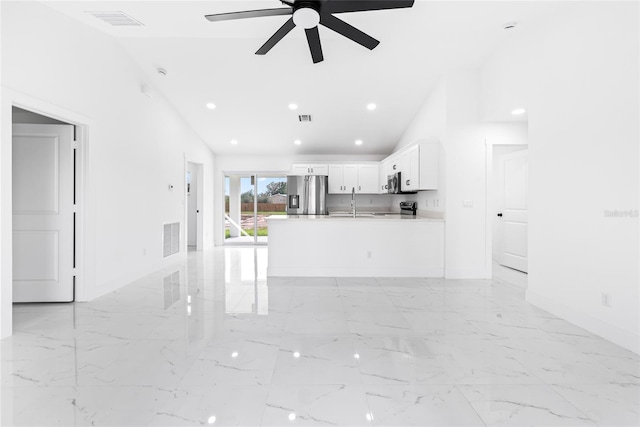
(171, 239)
(117, 18)
(304, 117)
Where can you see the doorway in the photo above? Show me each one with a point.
(194, 194)
(510, 213)
(249, 199)
(44, 158)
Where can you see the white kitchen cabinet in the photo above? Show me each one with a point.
(418, 165)
(343, 178)
(368, 178)
(382, 178)
(361, 177)
(336, 176)
(309, 169)
(410, 168)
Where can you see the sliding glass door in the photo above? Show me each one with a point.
(249, 200)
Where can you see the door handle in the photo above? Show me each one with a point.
(500, 214)
(197, 210)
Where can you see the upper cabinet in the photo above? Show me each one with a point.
(368, 178)
(382, 178)
(342, 178)
(363, 178)
(418, 165)
(309, 169)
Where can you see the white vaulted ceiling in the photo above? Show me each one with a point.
(215, 62)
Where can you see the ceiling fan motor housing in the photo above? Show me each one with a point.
(306, 14)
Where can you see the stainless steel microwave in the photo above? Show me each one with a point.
(394, 184)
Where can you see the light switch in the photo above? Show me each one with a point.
(467, 203)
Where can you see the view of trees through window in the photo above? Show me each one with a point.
(271, 199)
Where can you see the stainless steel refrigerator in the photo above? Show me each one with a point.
(307, 195)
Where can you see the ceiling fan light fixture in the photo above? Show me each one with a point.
(306, 17)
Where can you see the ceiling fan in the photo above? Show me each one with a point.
(309, 13)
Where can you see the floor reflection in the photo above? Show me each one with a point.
(246, 281)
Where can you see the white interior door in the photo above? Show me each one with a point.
(513, 212)
(192, 204)
(42, 213)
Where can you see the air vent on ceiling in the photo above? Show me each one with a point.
(304, 117)
(117, 18)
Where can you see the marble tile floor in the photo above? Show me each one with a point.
(212, 341)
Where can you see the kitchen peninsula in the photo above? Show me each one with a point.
(368, 245)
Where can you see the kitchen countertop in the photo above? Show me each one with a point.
(361, 216)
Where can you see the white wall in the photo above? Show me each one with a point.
(90, 80)
(578, 79)
(429, 125)
(450, 116)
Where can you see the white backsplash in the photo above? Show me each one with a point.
(372, 202)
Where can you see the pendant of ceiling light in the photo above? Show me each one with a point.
(305, 15)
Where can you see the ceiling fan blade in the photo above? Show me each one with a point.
(276, 37)
(313, 38)
(249, 14)
(339, 6)
(350, 32)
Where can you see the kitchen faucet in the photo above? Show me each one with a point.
(353, 201)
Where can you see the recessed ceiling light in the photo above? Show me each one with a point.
(292, 416)
(211, 105)
(293, 106)
(358, 142)
(212, 419)
(518, 111)
(234, 142)
(297, 142)
(371, 106)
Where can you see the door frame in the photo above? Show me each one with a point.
(199, 199)
(84, 255)
(490, 208)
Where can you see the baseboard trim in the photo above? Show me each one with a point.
(466, 274)
(605, 330)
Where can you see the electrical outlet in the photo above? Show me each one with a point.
(606, 299)
(368, 254)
